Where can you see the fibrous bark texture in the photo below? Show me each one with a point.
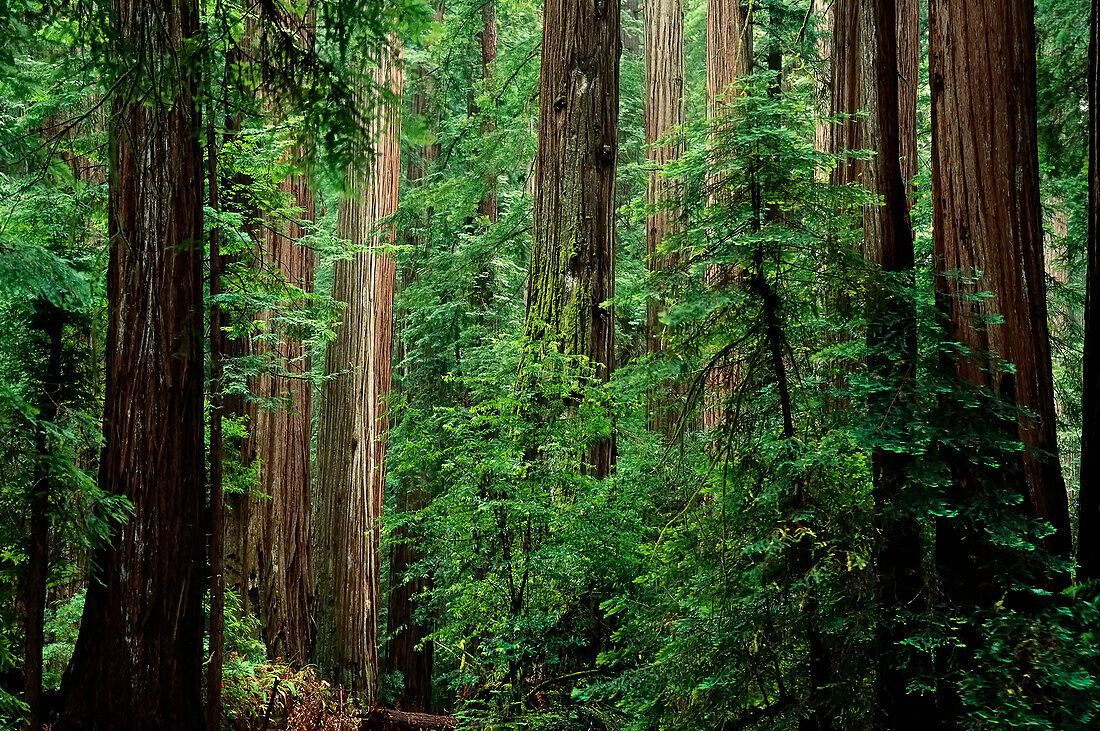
(729, 56)
(729, 48)
(351, 438)
(1088, 507)
(988, 236)
(572, 270)
(664, 114)
(846, 87)
(279, 522)
(138, 660)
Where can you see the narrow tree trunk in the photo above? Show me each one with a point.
(352, 432)
(216, 634)
(846, 87)
(489, 207)
(138, 659)
(729, 49)
(892, 339)
(415, 665)
(1088, 507)
(49, 321)
(987, 219)
(572, 271)
(729, 57)
(664, 113)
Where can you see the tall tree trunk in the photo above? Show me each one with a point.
(664, 113)
(280, 441)
(489, 207)
(892, 338)
(1088, 507)
(987, 220)
(572, 271)
(415, 666)
(49, 321)
(729, 49)
(352, 432)
(729, 57)
(846, 86)
(138, 659)
(216, 635)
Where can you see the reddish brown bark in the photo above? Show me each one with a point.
(279, 522)
(137, 663)
(664, 114)
(892, 338)
(572, 270)
(987, 221)
(352, 431)
(729, 57)
(729, 49)
(1088, 509)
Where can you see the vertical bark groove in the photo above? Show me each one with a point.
(352, 433)
(138, 660)
(987, 220)
(572, 269)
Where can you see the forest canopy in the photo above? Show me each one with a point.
(580, 364)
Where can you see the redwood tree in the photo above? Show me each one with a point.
(409, 653)
(351, 447)
(138, 659)
(729, 56)
(988, 238)
(279, 523)
(1088, 508)
(892, 336)
(664, 113)
(572, 272)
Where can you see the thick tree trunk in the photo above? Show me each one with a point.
(664, 113)
(279, 522)
(987, 220)
(138, 660)
(352, 432)
(892, 339)
(1088, 506)
(572, 271)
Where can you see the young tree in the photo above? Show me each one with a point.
(988, 238)
(1088, 508)
(351, 448)
(572, 271)
(138, 660)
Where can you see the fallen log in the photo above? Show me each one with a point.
(383, 719)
